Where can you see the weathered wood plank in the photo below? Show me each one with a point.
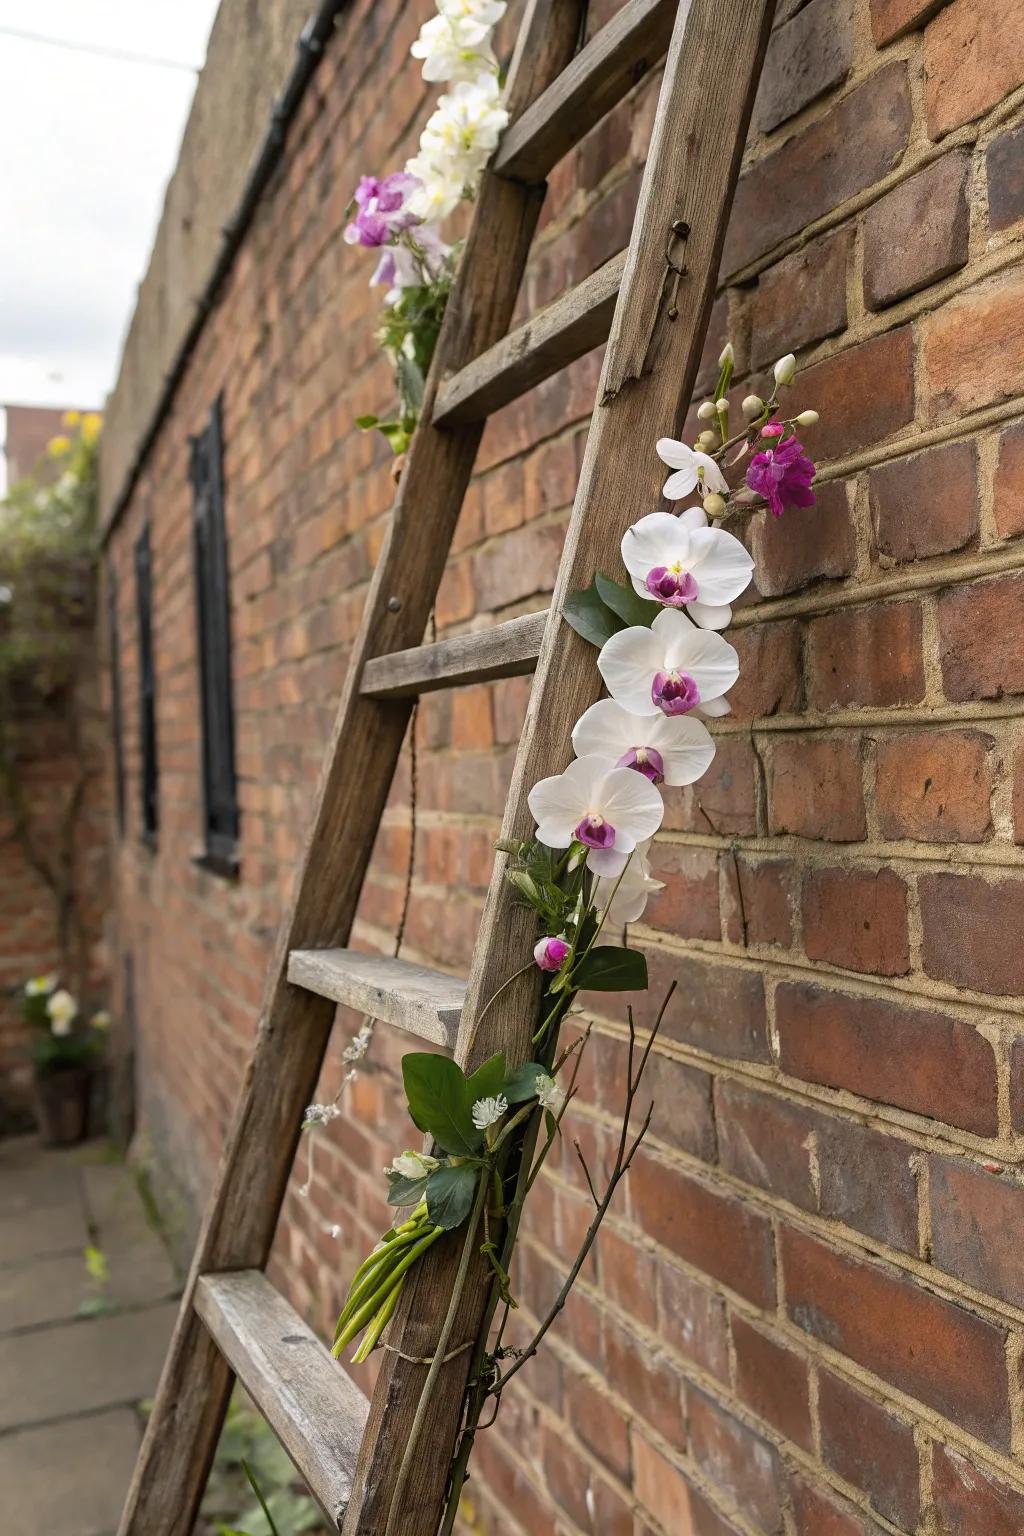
(315, 1410)
(295, 1025)
(649, 372)
(504, 650)
(423, 1002)
(573, 325)
(598, 77)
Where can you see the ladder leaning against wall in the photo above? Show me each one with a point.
(652, 304)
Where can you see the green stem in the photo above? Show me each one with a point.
(366, 1311)
(377, 1327)
(420, 1419)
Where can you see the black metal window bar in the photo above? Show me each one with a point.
(213, 616)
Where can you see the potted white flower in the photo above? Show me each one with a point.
(64, 1050)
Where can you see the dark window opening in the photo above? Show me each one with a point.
(116, 708)
(147, 684)
(213, 617)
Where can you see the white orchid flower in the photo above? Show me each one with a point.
(626, 901)
(454, 48)
(609, 810)
(465, 127)
(62, 1010)
(672, 667)
(670, 749)
(549, 1095)
(413, 1165)
(692, 468)
(487, 1112)
(487, 12)
(41, 986)
(681, 562)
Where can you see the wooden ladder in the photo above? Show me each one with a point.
(232, 1322)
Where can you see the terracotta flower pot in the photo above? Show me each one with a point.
(62, 1105)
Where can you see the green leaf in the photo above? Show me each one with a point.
(437, 1091)
(626, 601)
(410, 382)
(450, 1193)
(367, 423)
(610, 968)
(487, 1081)
(590, 616)
(407, 1191)
(521, 1085)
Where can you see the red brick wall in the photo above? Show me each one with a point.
(805, 1315)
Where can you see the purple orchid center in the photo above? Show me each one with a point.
(671, 586)
(646, 761)
(675, 693)
(595, 832)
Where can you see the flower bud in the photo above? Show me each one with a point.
(807, 419)
(708, 440)
(549, 953)
(722, 406)
(785, 369)
(706, 411)
(714, 505)
(727, 355)
(752, 406)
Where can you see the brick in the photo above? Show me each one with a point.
(766, 1141)
(818, 1513)
(691, 1320)
(628, 1274)
(966, 920)
(771, 671)
(772, 1380)
(934, 786)
(673, 1502)
(925, 505)
(970, 1500)
(971, 61)
(707, 1227)
(870, 1448)
(1004, 169)
(741, 1463)
(857, 919)
(1008, 488)
(806, 543)
(917, 1059)
(683, 1093)
(972, 352)
(860, 140)
(854, 1164)
(648, 1381)
(818, 273)
(715, 1007)
(978, 625)
(807, 55)
(866, 656)
(765, 914)
(892, 18)
(725, 799)
(688, 906)
(976, 1223)
(936, 1352)
(918, 232)
(814, 788)
(864, 395)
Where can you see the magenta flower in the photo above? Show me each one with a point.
(381, 209)
(782, 475)
(550, 953)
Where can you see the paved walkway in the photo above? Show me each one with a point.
(76, 1355)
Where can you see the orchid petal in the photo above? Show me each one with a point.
(710, 615)
(721, 564)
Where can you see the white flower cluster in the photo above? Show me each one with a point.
(463, 131)
(661, 677)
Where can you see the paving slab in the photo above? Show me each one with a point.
(114, 1206)
(53, 1290)
(32, 1175)
(42, 1230)
(68, 1479)
(73, 1368)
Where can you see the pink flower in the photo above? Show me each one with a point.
(782, 475)
(550, 953)
(381, 209)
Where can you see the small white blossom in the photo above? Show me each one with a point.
(63, 1011)
(691, 468)
(40, 986)
(413, 1165)
(549, 1095)
(358, 1045)
(454, 48)
(320, 1114)
(100, 1019)
(785, 369)
(487, 1112)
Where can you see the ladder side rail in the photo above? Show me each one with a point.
(649, 372)
(294, 1029)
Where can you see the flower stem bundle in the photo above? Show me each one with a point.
(377, 1283)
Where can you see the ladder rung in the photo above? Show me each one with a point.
(426, 1003)
(504, 650)
(598, 77)
(316, 1411)
(573, 325)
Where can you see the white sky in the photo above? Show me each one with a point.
(86, 148)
